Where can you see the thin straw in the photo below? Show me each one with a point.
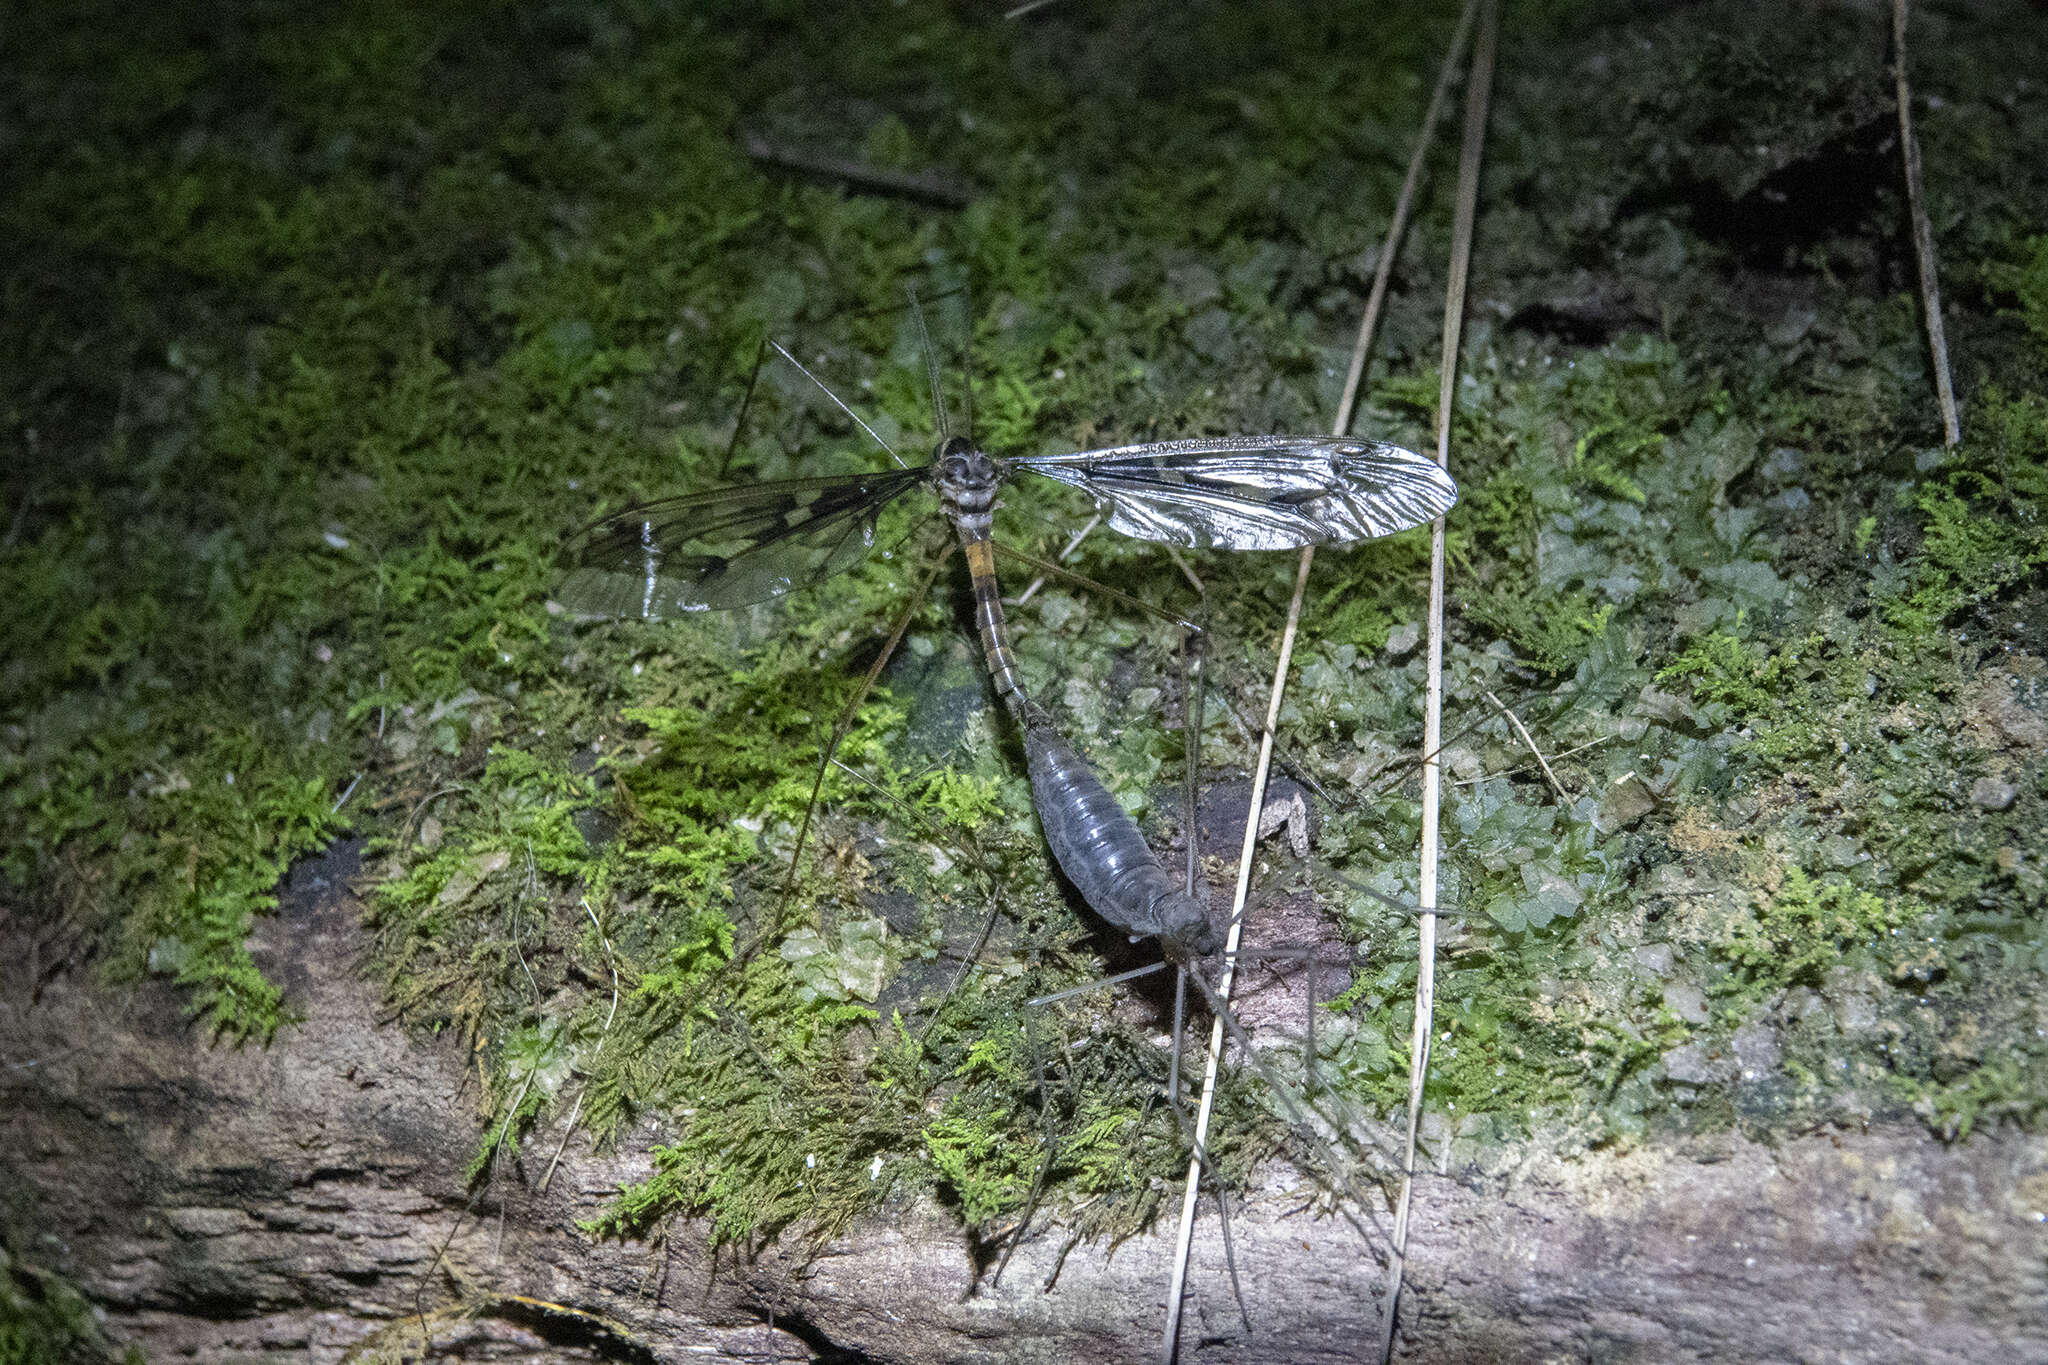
(1923, 237)
(1477, 93)
(1368, 327)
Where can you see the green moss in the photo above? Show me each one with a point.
(2006, 1087)
(2026, 279)
(1550, 631)
(1984, 520)
(1804, 928)
(1725, 670)
(984, 1171)
(450, 286)
(45, 1320)
(772, 1129)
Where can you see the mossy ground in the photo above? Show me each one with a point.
(322, 328)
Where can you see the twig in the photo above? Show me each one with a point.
(1477, 91)
(1510, 772)
(1541, 761)
(924, 187)
(1368, 326)
(603, 1034)
(1923, 236)
(1062, 557)
(1369, 322)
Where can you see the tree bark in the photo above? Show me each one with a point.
(305, 1200)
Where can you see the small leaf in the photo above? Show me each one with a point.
(466, 880)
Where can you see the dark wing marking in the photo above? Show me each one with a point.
(725, 548)
(1256, 492)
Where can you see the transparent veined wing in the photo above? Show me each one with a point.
(727, 547)
(1256, 492)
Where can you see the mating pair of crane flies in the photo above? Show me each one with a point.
(731, 547)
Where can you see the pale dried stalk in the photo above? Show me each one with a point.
(1368, 323)
(1477, 94)
(1368, 327)
(603, 1036)
(1923, 237)
(1563, 798)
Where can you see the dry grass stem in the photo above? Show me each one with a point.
(1368, 328)
(1563, 797)
(1923, 237)
(1477, 94)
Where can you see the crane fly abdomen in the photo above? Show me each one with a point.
(1099, 848)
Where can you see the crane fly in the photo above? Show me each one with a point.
(732, 547)
(736, 546)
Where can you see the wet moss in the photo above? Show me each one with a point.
(377, 308)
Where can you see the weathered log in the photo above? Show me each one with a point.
(305, 1200)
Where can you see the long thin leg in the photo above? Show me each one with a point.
(1044, 1167)
(1201, 1152)
(1229, 1244)
(1192, 713)
(1073, 542)
(1295, 1107)
(1398, 773)
(739, 423)
(910, 812)
(1305, 955)
(1180, 1014)
(1311, 1072)
(1191, 750)
(1193, 634)
(1046, 566)
(1039, 1000)
(966, 850)
(847, 716)
(1082, 535)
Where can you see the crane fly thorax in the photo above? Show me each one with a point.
(966, 480)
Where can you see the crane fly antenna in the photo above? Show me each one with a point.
(739, 423)
(873, 435)
(967, 358)
(943, 424)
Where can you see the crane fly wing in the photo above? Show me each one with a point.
(1256, 492)
(725, 548)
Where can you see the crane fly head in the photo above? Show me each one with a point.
(966, 476)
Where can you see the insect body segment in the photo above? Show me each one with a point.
(966, 483)
(1093, 839)
(1099, 847)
